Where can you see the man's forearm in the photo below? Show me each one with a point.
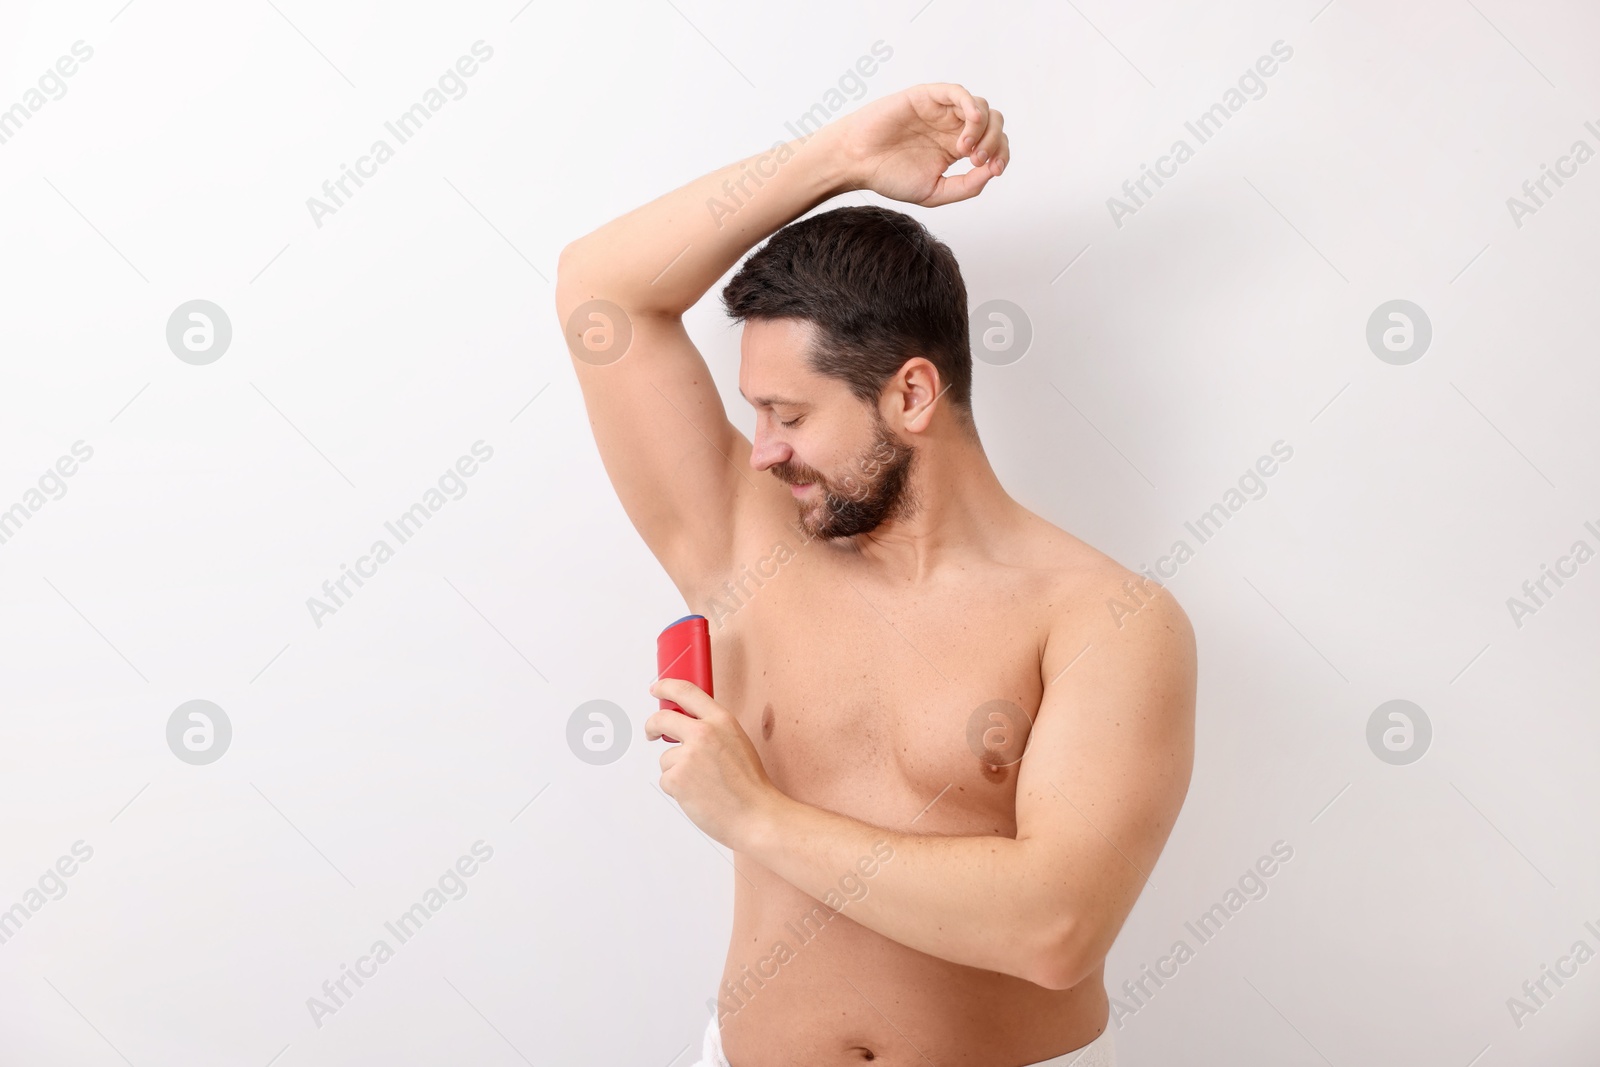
(662, 256)
(971, 900)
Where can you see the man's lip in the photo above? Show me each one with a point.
(799, 487)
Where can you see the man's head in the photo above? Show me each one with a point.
(855, 340)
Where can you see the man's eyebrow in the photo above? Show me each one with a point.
(772, 401)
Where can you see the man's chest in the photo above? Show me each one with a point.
(909, 710)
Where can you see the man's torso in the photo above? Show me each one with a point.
(860, 698)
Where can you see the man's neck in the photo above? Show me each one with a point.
(960, 511)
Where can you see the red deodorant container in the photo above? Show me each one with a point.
(683, 650)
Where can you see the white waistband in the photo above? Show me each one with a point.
(1101, 1052)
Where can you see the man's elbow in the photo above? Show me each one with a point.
(1065, 959)
(577, 289)
(569, 265)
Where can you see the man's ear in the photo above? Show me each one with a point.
(915, 391)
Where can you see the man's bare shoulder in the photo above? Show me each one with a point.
(1092, 599)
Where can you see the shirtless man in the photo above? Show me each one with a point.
(949, 739)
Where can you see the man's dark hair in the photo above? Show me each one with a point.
(879, 288)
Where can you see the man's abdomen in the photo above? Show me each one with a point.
(805, 984)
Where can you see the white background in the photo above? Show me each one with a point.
(371, 752)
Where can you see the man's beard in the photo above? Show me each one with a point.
(876, 488)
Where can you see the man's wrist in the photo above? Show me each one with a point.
(832, 167)
(763, 825)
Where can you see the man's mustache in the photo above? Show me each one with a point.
(790, 477)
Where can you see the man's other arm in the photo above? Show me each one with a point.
(1103, 776)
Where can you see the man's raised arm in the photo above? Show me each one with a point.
(679, 466)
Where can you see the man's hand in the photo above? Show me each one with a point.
(714, 773)
(900, 146)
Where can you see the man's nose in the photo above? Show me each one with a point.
(765, 452)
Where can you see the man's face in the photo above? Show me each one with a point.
(842, 462)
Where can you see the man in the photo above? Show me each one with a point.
(949, 739)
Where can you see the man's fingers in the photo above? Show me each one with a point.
(973, 111)
(979, 121)
(956, 187)
(686, 695)
(989, 145)
(670, 724)
(668, 758)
